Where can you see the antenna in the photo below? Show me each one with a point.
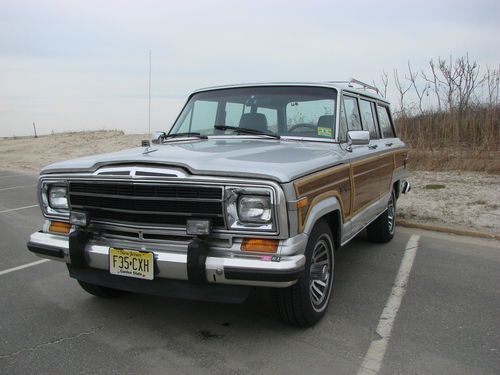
(147, 143)
(149, 99)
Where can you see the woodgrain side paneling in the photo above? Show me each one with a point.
(355, 186)
(334, 181)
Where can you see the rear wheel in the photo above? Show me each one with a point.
(383, 228)
(100, 291)
(306, 302)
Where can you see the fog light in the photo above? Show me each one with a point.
(79, 218)
(199, 227)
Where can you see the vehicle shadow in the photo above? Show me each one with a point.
(361, 267)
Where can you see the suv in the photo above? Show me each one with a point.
(254, 186)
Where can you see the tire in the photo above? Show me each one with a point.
(100, 291)
(382, 229)
(305, 303)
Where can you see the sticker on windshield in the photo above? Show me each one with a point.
(324, 132)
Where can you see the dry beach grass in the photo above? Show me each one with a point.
(468, 200)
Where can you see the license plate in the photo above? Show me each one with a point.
(131, 263)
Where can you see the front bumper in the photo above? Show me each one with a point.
(221, 266)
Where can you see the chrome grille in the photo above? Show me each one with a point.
(147, 203)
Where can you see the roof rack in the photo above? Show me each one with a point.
(354, 81)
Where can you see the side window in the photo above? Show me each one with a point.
(385, 122)
(352, 113)
(368, 117)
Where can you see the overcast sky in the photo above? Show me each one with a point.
(83, 65)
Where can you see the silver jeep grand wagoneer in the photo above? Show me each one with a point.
(254, 186)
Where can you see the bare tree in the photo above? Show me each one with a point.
(433, 80)
(492, 79)
(402, 90)
(385, 82)
(466, 81)
(449, 78)
(420, 92)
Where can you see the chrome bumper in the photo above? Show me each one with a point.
(223, 265)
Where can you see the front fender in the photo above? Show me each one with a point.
(320, 209)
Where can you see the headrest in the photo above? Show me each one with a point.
(254, 121)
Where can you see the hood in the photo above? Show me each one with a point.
(278, 160)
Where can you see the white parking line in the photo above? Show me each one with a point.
(4, 272)
(17, 187)
(374, 357)
(17, 209)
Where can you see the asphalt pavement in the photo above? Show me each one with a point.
(437, 313)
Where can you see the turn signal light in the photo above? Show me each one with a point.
(259, 245)
(302, 202)
(59, 227)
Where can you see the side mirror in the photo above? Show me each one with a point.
(357, 138)
(158, 137)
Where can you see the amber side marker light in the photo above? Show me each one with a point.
(259, 245)
(302, 202)
(59, 227)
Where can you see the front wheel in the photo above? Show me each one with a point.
(383, 228)
(306, 302)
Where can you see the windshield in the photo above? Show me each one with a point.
(292, 111)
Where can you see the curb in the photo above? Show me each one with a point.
(459, 232)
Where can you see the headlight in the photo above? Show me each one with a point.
(58, 197)
(250, 209)
(254, 209)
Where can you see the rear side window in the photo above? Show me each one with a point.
(351, 111)
(385, 122)
(369, 117)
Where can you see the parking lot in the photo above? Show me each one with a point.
(424, 303)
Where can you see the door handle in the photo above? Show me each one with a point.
(389, 144)
(372, 147)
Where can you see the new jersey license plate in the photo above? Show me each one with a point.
(131, 263)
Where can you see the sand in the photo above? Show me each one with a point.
(468, 200)
(32, 154)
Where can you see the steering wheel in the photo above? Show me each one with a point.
(302, 125)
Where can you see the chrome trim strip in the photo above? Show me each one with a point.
(159, 213)
(134, 197)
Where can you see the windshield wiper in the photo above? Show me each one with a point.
(246, 131)
(186, 135)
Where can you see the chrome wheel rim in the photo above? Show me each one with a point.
(391, 215)
(320, 273)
